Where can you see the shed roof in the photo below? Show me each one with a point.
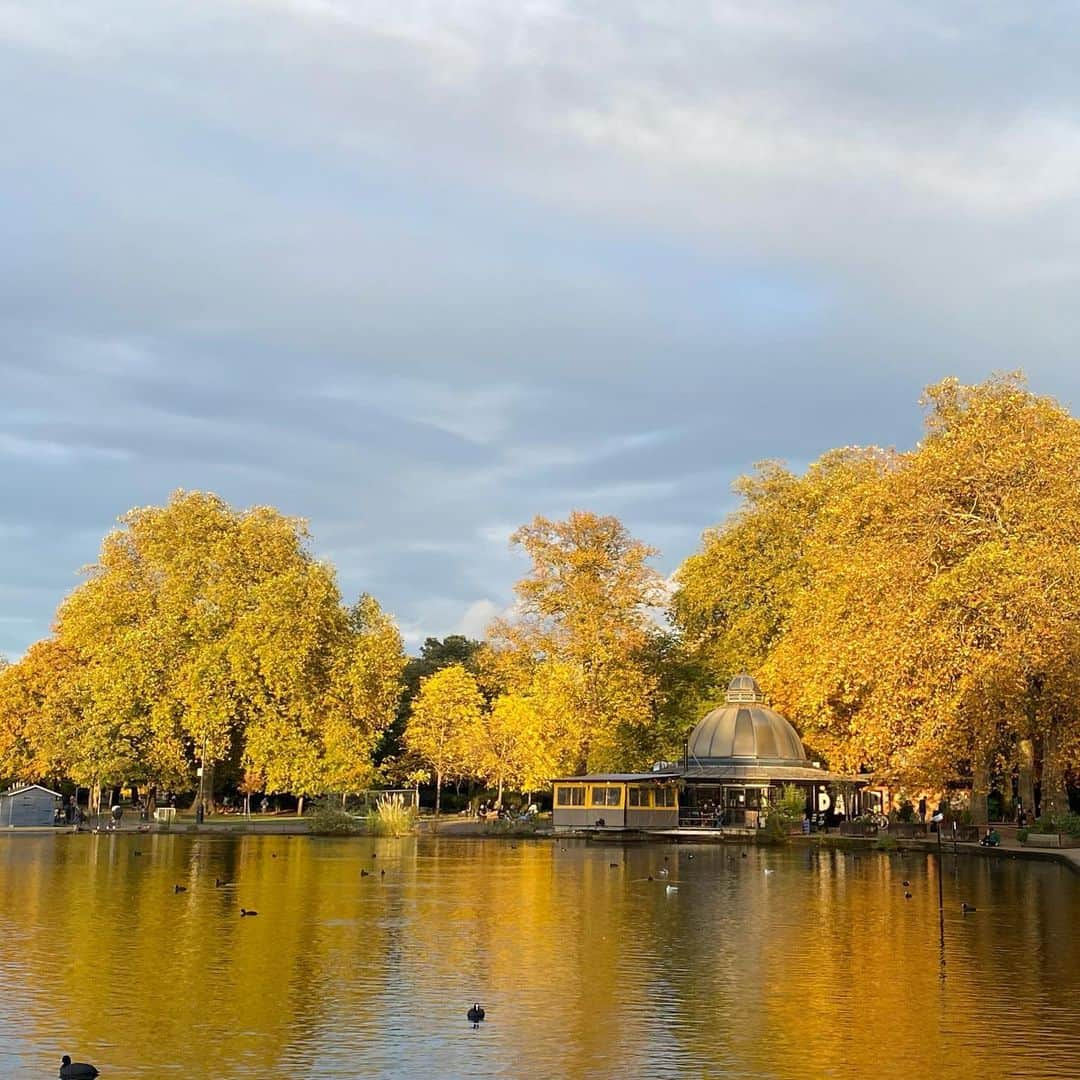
(617, 777)
(28, 787)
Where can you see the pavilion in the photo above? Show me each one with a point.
(738, 759)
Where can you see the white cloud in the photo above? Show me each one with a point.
(477, 618)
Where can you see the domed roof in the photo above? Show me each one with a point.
(745, 729)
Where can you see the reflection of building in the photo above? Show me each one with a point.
(740, 756)
(616, 801)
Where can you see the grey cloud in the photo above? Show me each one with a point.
(419, 272)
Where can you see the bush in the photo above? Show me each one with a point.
(885, 842)
(330, 821)
(390, 817)
(1069, 824)
(1022, 835)
(906, 813)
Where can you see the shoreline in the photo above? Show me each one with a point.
(475, 830)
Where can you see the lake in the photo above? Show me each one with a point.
(783, 963)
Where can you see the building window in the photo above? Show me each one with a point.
(570, 796)
(606, 796)
(664, 796)
(639, 797)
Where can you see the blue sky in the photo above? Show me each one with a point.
(419, 271)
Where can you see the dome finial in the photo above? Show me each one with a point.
(743, 688)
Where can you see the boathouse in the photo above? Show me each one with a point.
(616, 801)
(29, 805)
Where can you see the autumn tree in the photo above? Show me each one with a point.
(435, 653)
(444, 719)
(205, 632)
(509, 746)
(581, 630)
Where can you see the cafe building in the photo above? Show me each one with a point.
(616, 801)
(739, 758)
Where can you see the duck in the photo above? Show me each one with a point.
(663, 871)
(613, 866)
(244, 912)
(905, 883)
(220, 884)
(382, 873)
(179, 888)
(76, 1070)
(363, 873)
(690, 855)
(966, 908)
(907, 896)
(475, 1014)
(669, 889)
(769, 871)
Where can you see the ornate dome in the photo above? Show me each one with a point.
(744, 729)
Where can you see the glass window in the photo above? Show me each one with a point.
(570, 796)
(639, 796)
(606, 796)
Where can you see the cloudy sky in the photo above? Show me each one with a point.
(419, 271)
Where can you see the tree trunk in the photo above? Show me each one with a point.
(438, 792)
(1025, 752)
(980, 788)
(1055, 797)
(343, 798)
(300, 806)
(499, 800)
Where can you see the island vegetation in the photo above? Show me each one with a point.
(916, 614)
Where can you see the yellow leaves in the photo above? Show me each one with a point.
(894, 603)
(201, 623)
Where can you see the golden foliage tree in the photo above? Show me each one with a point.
(205, 632)
(444, 720)
(926, 628)
(580, 635)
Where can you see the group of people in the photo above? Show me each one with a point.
(497, 812)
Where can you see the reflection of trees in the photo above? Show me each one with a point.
(585, 969)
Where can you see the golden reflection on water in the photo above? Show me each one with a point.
(817, 967)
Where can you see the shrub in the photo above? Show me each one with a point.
(885, 842)
(390, 817)
(1069, 824)
(330, 821)
(1022, 835)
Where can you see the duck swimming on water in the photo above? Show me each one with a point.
(76, 1070)
(475, 1014)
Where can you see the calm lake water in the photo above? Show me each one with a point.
(785, 963)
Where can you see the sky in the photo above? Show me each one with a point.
(417, 272)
